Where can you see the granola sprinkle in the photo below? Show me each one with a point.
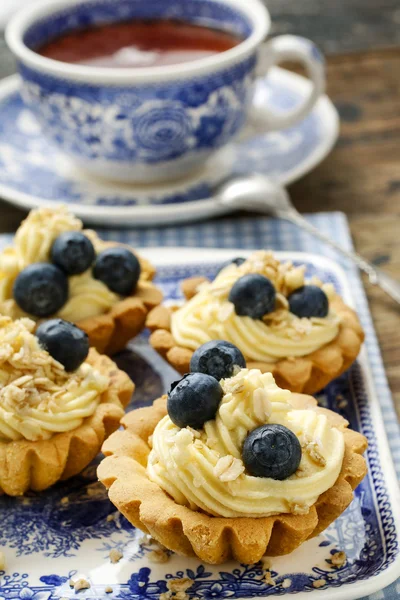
(36, 393)
(228, 468)
(298, 508)
(312, 448)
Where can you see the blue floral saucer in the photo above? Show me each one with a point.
(33, 172)
(70, 530)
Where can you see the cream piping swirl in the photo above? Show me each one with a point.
(187, 464)
(88, 297)
(209, 315)
(37, 397)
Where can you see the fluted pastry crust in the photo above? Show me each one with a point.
(27, 465)
(217, 539)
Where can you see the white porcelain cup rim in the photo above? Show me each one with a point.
(19, 24)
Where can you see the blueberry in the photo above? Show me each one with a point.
(253, 296)
(309, 301)
(194, 400)
(239, 260)
(64, 341)
(119, 269)
(271, 451)
(41, 289)
(218, 359)
(73, 252)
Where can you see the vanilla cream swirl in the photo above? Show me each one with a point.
(203, 469)
(38, 231)
(37, 397)
(88, 297)
(209, 315)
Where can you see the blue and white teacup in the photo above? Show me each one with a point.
(154, 124)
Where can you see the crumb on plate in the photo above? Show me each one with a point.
(115, 556)
(81, 584)
(339, 559)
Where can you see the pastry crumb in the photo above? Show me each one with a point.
(286, 583)
(268, 578)
(179, 585)
(71, 583)
(110, 518)
(158, 556)
(339, 559)
(2, 561)
(115, 556)
(177, 589)
(81, 584)
(64, 500)
(319, 583)
(108, 590)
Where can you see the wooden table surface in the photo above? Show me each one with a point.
(362, 174)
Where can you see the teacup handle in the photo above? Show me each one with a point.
(296, 49)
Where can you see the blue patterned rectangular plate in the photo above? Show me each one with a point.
(68, 532)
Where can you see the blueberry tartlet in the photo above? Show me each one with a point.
(59, 401)
(55, 268)
(301, 331)
(232, 468)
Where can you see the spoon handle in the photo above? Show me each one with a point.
(376, 276)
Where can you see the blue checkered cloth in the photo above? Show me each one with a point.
(260, 232)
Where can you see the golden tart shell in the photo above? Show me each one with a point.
(217, 539)
(307, 375)
(27, 465)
